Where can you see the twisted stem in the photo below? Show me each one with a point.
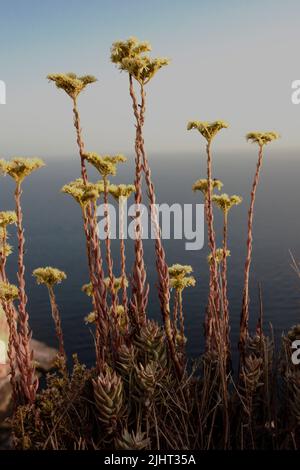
(246, 299)
(29, 379)
(140, 288)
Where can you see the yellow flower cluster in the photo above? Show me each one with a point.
(182, 283)
(8, 292)
(262, 138)
(71, 83)
(83, 193)
(121, 190)
(121, 317)
(178, 276)
(120, 311)
(87, 289)
(131, 56)
(7, 217)
(219, 255)
(202, 185)
(180, 270)
(225, 202)
(144, 68)
(106, 165)
(18, 168)
(117, 283)
(49, 276)
(91, 317)
(5, 248)
(130, 48)
(208, 129)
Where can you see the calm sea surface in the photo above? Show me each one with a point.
(54, 237)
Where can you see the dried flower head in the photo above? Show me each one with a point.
(121, 190)
(262, 138)
(208, 129)
(18, 168)
(7, 217)
(71, 83)
(106, 165)
(83, 192)
(117, 283)
(8, 292)
(219, 255)
(91, 318)
(202, 185)
(225, 202)
(49, 276)
(131, 56)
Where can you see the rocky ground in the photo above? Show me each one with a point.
(44, 357)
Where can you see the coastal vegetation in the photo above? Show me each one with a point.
(143, 392)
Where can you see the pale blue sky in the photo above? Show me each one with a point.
(231, 59)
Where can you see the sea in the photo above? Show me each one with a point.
(54, 237)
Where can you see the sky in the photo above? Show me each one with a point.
(233, 60)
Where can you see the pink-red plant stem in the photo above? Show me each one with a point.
(99, 291)
(161, 265)
(224, 284)
(57, 322)
(94, 257)
(30, 380)
(13, 349)
(123, 261)
(140, 288)
(214, 301)
(245, 307)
